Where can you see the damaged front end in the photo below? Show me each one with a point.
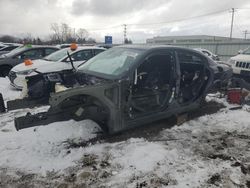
(91, 102)
(70, 94)
(36, 91)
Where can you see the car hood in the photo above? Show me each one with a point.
(36, 64)
(241, 57)
(43, 66)
(58, 66)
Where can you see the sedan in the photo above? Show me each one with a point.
(19, 55)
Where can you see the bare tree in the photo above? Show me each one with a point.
(82, 34)
(56, 36)
(128, 41)
(28, 39)
(64, 33)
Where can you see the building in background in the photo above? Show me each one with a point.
(222, 46)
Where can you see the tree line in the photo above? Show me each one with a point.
(60, 33)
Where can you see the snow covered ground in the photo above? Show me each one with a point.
(208, 151)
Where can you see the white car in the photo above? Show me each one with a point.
(54, 62)
(209, 54)
(241, 63)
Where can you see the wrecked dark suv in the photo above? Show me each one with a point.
(126, 86)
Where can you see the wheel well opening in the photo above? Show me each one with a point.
(80, 107)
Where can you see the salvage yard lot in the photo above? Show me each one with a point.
(207, 151)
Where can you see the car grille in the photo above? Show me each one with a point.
(244, 65)
(12, 76)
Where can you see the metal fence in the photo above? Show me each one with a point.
(224, 50)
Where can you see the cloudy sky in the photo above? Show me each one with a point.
(144, 18)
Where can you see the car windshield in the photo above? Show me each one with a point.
(15, 51)
(58, 55)
(112, 62)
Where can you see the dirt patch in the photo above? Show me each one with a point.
(215, 179)
(248, 184)
(153, 180)
(221, 156)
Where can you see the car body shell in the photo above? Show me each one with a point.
(110, 100)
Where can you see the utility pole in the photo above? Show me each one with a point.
(125, 32)
(232, 23)
(245, 34)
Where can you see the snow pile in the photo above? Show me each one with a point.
(8, 92)
(178, 157)
(41, 149)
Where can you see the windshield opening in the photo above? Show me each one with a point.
(112, 62)
(58, 55)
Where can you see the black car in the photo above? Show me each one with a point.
(16, 56)
(125, 86)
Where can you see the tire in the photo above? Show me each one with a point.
(4, 71)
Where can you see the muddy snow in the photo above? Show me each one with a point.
(211, 150)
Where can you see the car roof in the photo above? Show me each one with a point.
(154, 46)
(79, 48)
(40, 46)
(90, 47)
(25, 48)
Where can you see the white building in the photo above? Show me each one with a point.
(189, 39)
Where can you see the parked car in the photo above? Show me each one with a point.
(209, 54)
(241, 64)
(123, 87)
(56, 61)
(9, 48)
(17, 56)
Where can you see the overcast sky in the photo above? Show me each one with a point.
(145, 18)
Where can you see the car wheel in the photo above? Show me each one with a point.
(4, 71)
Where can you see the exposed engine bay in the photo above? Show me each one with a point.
(41, 85)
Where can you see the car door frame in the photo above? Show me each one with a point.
(127, 87)
(209, 81)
